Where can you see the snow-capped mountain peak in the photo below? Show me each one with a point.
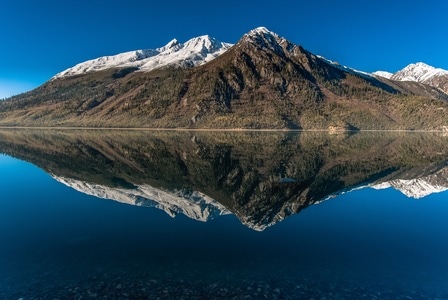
(194, 52)
(261, 31)
(419, 72)
(205, 43)
(264, 38)
(173, 43)
(263, 34)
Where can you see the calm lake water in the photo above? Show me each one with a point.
(105, 214)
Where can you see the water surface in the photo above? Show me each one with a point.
(118, 214)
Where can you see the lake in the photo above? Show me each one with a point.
(116, 214)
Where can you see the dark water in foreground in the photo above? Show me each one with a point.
(240, 231)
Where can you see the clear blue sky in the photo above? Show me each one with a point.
(42, 38)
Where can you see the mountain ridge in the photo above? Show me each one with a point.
(172, 54)
(193, 52)
(263, 81)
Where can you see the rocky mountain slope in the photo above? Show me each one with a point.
(263, 81)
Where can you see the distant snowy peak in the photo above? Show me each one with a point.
(194, 52)
(419, 72)
(383, 74)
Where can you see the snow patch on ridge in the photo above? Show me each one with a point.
(383, 74)
(345, 68)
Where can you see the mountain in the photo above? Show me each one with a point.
(420, 72)
(192, 53)
(263, 81)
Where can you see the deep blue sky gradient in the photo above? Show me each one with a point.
(42, 38)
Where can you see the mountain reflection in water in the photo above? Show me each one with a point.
(261, 177)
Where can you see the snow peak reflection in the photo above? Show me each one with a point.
(261, 177)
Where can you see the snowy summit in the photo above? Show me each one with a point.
(194, 52)
(419, 72)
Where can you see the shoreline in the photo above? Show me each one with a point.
(217, 129)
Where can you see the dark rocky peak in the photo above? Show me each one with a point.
(263, 38)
